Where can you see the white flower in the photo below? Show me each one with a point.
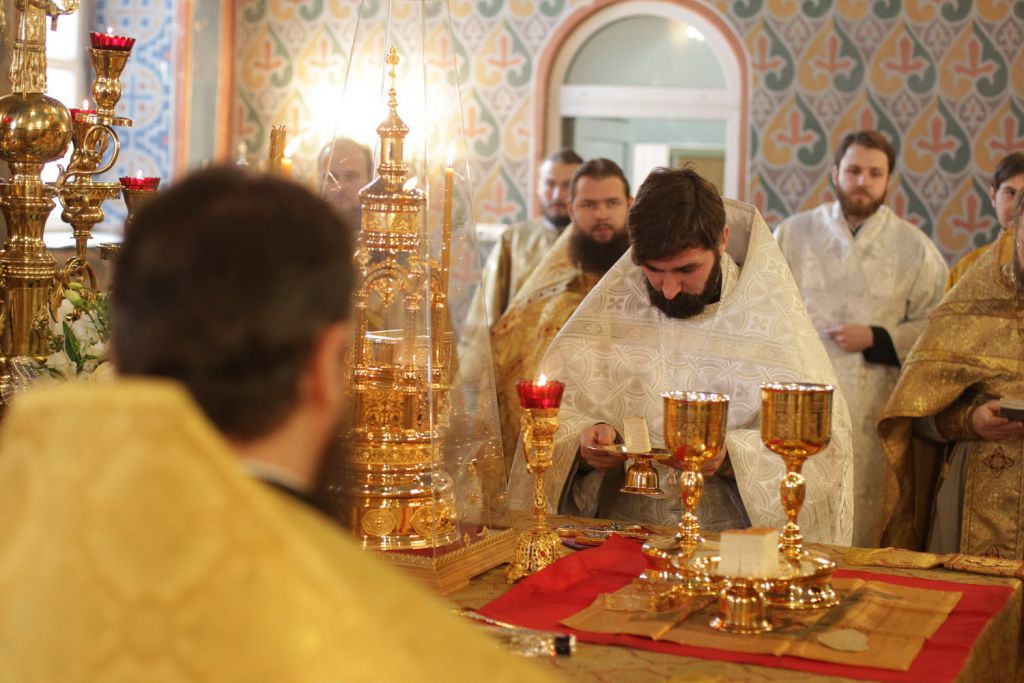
(57, 324)
(85, 331)
(104, 372)
(97, 349)
(62, 364)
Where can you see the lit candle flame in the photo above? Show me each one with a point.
(292, 146)
(138, 174)
(542, 380)
(451, 154)
(85, 103)
(110, 30)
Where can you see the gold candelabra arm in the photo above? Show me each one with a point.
(90, 147)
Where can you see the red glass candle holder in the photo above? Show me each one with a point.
(108, 41)
(145, 184)
(83, 112)
(539, 395)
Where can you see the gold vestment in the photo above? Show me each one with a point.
(547, 299)
(970, 258)
(135, 548)
(974, 344)
(510, 264)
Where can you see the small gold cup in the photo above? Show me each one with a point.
(106, 89)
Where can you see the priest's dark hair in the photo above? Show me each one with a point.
(224, 283)
(675, 209)
(1010, 166)
(598, 169)
(871, 139)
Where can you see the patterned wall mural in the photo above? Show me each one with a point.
(943, 78)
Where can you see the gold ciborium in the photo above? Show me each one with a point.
(694, 427)
(540, 546)
(796, 423)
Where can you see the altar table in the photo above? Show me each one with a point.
(994, 657)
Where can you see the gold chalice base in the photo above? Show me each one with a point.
(672, 564)
(806, 592)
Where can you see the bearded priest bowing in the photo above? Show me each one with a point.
(703, 301)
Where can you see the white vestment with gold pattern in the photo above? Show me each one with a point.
(889, 275)
(617, 354)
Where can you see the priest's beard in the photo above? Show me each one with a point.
(685, 305)
(596, 257)
(857, 212)
(558, 220)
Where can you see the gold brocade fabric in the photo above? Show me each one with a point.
(1005, 242)
(510, 265)
(134, 548)
(974, 342)
(522, 335)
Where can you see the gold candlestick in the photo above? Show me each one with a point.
(796, 423)
(275, 156)
(540, 546)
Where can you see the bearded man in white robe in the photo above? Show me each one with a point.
(869, 279)
(702, 301)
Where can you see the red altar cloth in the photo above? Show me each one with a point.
(543, 600)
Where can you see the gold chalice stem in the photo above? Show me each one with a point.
(792, 490)
(691, 488)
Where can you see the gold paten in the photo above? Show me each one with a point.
(36, 129)
(395, 492)
(540, 546)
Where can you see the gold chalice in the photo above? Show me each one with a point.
(796, 423)
(694, 427)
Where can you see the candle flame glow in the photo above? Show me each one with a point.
(451, 154)
(85, 103)
(542, 380)
(292, 146)
(110, 30)
(138, 174)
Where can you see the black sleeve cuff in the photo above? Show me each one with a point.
(882, 350)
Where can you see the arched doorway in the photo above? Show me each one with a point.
(648, 83)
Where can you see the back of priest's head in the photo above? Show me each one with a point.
(226, 282)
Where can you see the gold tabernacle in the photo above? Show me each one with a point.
(36, 129)
(395, 492)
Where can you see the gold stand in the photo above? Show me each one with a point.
(796, 423)
(694, 426)
(741, 608)
(540, 546)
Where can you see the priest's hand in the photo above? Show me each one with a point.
(599, 435)
(990, 427)
(851, 337)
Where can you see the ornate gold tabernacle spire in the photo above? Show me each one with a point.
(395, 492)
